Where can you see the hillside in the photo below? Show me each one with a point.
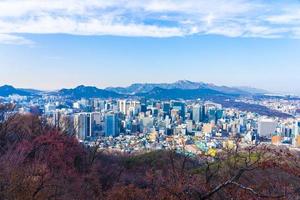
(8, 90)
(39, 162)
(87, 92)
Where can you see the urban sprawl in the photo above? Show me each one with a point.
(139, 125)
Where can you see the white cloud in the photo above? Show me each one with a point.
(150, 18)
(49, 24)
(13, 39)
(291, 17)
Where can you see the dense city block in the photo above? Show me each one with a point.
(135, 125)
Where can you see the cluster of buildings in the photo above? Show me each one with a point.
(289, 106)
(131, 125)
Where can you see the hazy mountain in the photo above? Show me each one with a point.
(204, 93)
(183, 84)
(180, 89)
(147, 87)
(87, 92)
(7, 90)
(253, 90)
(32, 91)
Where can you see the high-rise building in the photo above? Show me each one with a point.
(166, 107)
(133, 108)
(198, 113)
(96, 128)
(82, 125)
(219, 114)
(112, 125)
(180, 106)
(108, 106)
(122, 104)
(266, 127)
(189, 126)
(154, 112)
(211, 114)
(143, 108)
(98, 104)
(143, 103)
(87, 125)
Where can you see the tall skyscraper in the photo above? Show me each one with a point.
(112, 125)
(122, 104)
(143, 103)
(96, 128)
(166, 108)
(82, 124)
(197, 113)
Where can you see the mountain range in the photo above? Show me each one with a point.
(88, 92)
(184, 85)
(181, 89)
(8, 90)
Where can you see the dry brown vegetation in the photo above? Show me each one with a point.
(40, 162)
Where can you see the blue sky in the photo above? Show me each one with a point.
(58, 44)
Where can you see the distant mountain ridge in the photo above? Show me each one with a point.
(7, 90)
(88, 92)
(183, 89)
(253, 90)
(184, 85)
(204, 93)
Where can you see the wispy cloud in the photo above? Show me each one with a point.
(150, 18)
(13, 39)
(289, 16)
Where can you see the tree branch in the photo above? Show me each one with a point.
(251, 190)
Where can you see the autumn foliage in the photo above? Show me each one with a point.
(40, 162)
